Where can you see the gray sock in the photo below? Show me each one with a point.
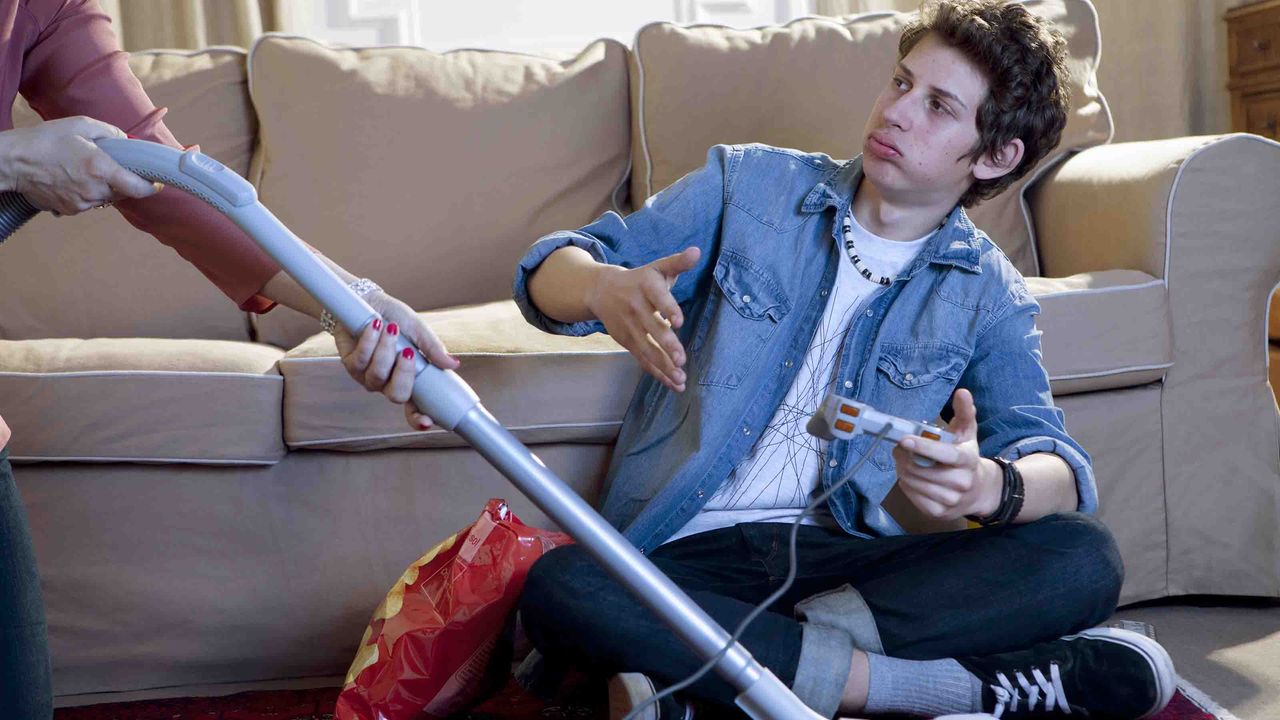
(921, 687)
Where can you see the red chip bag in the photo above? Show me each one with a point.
(440, 641)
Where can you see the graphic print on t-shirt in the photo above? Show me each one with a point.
(782, 473)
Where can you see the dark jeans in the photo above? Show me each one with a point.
(970, 592)
(26, 692)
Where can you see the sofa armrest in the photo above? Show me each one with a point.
(1129, 205)
(1202, 215)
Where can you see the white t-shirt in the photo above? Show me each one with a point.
(781, 474)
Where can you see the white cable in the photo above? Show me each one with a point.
(786, 585)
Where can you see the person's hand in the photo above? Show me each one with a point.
(961, 482)
(640, 313)
(4, 434)
(56, 166)
(376, 363)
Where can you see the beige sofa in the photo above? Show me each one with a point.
(212, 500)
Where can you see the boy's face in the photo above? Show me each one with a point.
(923, 124)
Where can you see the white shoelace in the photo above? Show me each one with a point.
(1054, 697)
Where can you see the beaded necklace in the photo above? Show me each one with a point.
(852, 252)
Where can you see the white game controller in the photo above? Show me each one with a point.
(840, 417)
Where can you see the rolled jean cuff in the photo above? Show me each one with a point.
(845, 609)
(819, 683)
(834, 623)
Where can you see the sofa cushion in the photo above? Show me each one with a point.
(544, 388)
(1102, 330)
(209, 402)
(94, 274)
(405, 165)
(811, 85)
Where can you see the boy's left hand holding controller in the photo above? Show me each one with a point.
(961, 482)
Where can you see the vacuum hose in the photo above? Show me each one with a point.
(15, 211)
(453, 405)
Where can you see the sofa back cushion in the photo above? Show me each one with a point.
(811, 85)
(432, 173)
(94, 274)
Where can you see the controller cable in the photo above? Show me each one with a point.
(786, 585)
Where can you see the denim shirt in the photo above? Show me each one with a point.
(765, 220)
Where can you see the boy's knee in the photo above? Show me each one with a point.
(1092, 543)
(1088, 557)
(548, 571)
(551, 581)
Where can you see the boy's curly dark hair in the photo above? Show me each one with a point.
(1024, 60)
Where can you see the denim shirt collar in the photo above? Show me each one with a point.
(956, 244)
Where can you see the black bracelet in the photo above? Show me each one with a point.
(1013, 492)
(1016, 496)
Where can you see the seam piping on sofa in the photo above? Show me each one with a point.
(113, 373)
(644, 140)
(166, 461)
(626, 177)
(228, 49)
(1099, 291)
(1118, 371)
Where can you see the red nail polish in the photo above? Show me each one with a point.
(408, 353)
(424, 424)
(377, 324)
(393, 329)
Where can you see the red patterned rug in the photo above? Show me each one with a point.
(1188, 704)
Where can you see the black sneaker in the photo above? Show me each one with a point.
(1099, 673)
(628, 690)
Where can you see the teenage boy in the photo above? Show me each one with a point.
(770, 277)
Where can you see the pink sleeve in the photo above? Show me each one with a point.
(76, 67)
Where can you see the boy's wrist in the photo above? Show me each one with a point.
(592, 292)
(991, 484)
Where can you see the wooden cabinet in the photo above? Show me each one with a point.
(1253, 56)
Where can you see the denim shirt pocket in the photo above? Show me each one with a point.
(915, 381)
(740, 320)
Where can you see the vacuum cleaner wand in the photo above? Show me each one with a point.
(453, 405)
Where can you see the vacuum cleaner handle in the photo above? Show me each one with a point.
(438, 393)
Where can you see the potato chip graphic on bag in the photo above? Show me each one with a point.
(440, 641)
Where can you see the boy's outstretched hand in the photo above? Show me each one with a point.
(640, 313)
(961, 482)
